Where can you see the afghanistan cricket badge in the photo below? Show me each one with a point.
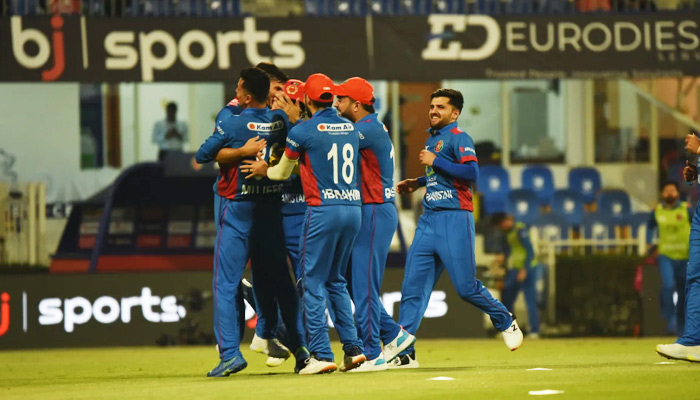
(438, 146)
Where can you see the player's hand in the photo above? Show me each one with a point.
(253, 146)
(254, 168)
(522, 274)
(692, 144)
(427, 158)
(690, 172)
(407, 186)
(291, 108)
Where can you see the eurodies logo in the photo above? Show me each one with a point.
(580, 35)
(21, 37)
(108, 310)
(128, 49)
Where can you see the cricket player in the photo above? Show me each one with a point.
(265, 337)
(519, 257)
(354, 101)
(444, 236)
(687, 347)
(250, 223)
(671, 219)
(326, 146)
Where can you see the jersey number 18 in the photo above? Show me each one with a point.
(348, 167)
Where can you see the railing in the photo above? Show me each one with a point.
(213, 8)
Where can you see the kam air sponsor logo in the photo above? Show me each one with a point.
(345, 194)
(4, 313)
(74, 311)
(265, 126)
(22, 36)
(344, 127)
(293, 143)
(467, 150)
(663, 37)
(439, 195)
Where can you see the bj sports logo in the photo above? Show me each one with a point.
(21, 37)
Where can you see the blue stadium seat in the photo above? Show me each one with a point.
(523, 205)
(539, 179)
(568, 204)
(598, 226)
(615, 203)
(586, 181)
(551, 226)
(637, 220)
(494, 186)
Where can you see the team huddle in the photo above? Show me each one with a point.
(306, 174)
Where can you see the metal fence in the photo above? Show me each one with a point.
(213, 8)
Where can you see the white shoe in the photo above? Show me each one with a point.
(677, 351)
(403, 341)
(513, 336)
(405, 361)
(258, 345)
(274, 362)
(314, 366)
(378, 364)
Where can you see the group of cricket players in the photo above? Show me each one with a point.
(306, 178)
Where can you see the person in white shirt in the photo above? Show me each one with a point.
(170, 134)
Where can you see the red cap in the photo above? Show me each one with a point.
(294, 88)
(319, 87)
(358, 89)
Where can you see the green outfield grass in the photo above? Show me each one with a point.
(482, 369)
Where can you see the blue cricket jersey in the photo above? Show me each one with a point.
(327, 148)
(376, 162)
(444, 192)
(234, 131)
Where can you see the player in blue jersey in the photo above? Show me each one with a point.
(354, 101)
(249, 224)
(444, 236)
(326, 146)
(264, 339)
(687, 347)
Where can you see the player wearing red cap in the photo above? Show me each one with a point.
(355, 99)
(326, 146)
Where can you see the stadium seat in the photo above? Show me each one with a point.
(568, 204)
(523, 205)
(637, 220)
(551, 226)
(598, 226)
(585, 181)
(494, 186)
(615, 203)
(539, 179)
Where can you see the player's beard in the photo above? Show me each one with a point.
(441, 122)
(670, 200)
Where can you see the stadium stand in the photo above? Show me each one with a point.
(585, 180)
(494, 186)
(523, 205)
(615, 204)
(538, 178)
(568, 204)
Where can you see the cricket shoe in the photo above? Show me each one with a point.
(353, 359)
(315, 366)
(677, 351)
(271, 347)
(302, 356)
(246, 289)
(513, 336)
(403, 341)
(404, 361)
(228, 367)
(378, 364)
